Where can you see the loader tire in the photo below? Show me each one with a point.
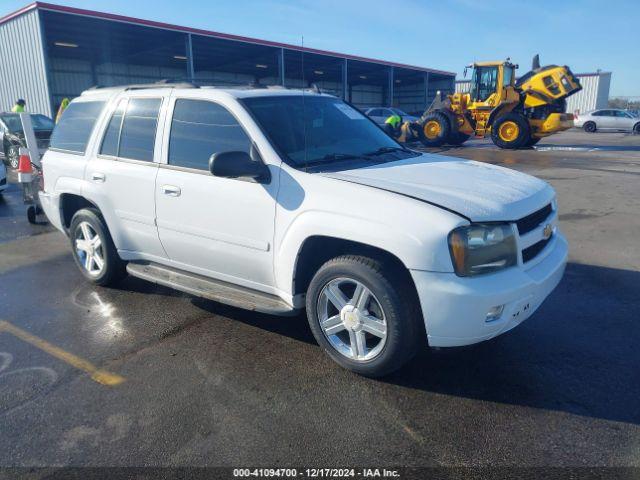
(511, 131)
(532, 141)
(435, 130)
(457, 138)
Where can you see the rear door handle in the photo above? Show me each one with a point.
(98, 177)
(171, 190)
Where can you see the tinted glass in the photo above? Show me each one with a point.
(75, 126)
(138, 134)
(199, 129)
(39, 122)
(111, 138)
(397, 111)
(13, 123)
(508, 76)
(318, 130)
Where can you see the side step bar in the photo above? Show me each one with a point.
(211, 289)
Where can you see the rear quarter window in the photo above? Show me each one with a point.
(72, 132)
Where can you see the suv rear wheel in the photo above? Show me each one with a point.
(93, 249)
(362, 315)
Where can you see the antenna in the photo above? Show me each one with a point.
(304, 111)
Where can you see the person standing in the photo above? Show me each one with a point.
(19, 106)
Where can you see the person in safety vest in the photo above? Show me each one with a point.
(401, 131)
(19, 106)
(63, 107)
(392, 125)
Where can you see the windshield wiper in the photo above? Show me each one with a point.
(332, 157)
(383, 150)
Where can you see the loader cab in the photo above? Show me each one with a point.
(489, 79)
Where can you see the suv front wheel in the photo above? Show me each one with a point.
(362, 314)
(93, 249)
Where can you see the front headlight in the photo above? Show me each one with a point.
(482, 248)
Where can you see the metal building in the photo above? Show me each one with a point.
(594, 93)
(50, 52)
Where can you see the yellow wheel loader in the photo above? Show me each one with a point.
(517, 114)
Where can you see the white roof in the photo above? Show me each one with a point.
(237, 92)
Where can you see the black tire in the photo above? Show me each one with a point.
(636, 129)
(114, 268)
(521, 136)
(391, 292)
(589, 127)
(457, 138)
(532, 141)
(430, 137)
(12, 154)
(31, 215)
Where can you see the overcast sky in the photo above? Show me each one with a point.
(446, 34)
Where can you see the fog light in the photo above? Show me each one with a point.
(494, 313)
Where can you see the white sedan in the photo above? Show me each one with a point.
(610, 119)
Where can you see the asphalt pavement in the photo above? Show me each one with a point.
(141, 375)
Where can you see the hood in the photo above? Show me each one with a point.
(478, 191)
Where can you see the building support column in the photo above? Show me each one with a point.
(281, 72)
(390, 87)
(426, 90)
(345, 86)
(191, 74)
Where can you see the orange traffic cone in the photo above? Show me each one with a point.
(24, 167)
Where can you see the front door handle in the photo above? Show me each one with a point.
(98, 177)
(171, 190)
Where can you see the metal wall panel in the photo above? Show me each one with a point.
(23, 71)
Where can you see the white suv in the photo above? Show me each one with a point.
(276, 200)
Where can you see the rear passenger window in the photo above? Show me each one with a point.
(199, 129)
(138, 132)
(75, 126)
(111, 139)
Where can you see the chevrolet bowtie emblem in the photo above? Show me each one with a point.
(548, 230)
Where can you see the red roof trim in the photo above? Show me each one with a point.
(209, 33)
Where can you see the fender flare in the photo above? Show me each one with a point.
(401, 244)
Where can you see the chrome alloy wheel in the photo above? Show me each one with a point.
(89, 249)
(352, 319)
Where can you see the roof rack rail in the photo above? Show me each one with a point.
(165, 83)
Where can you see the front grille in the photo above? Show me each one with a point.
(531, 252)
(530, 222)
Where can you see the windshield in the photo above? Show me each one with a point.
(484, 82)
(39, 122)
(334, 130)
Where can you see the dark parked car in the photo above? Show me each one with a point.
(13, 135)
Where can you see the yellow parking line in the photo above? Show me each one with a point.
(100, 376)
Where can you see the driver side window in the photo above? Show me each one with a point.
(199, 129)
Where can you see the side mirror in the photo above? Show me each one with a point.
(238, 165)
